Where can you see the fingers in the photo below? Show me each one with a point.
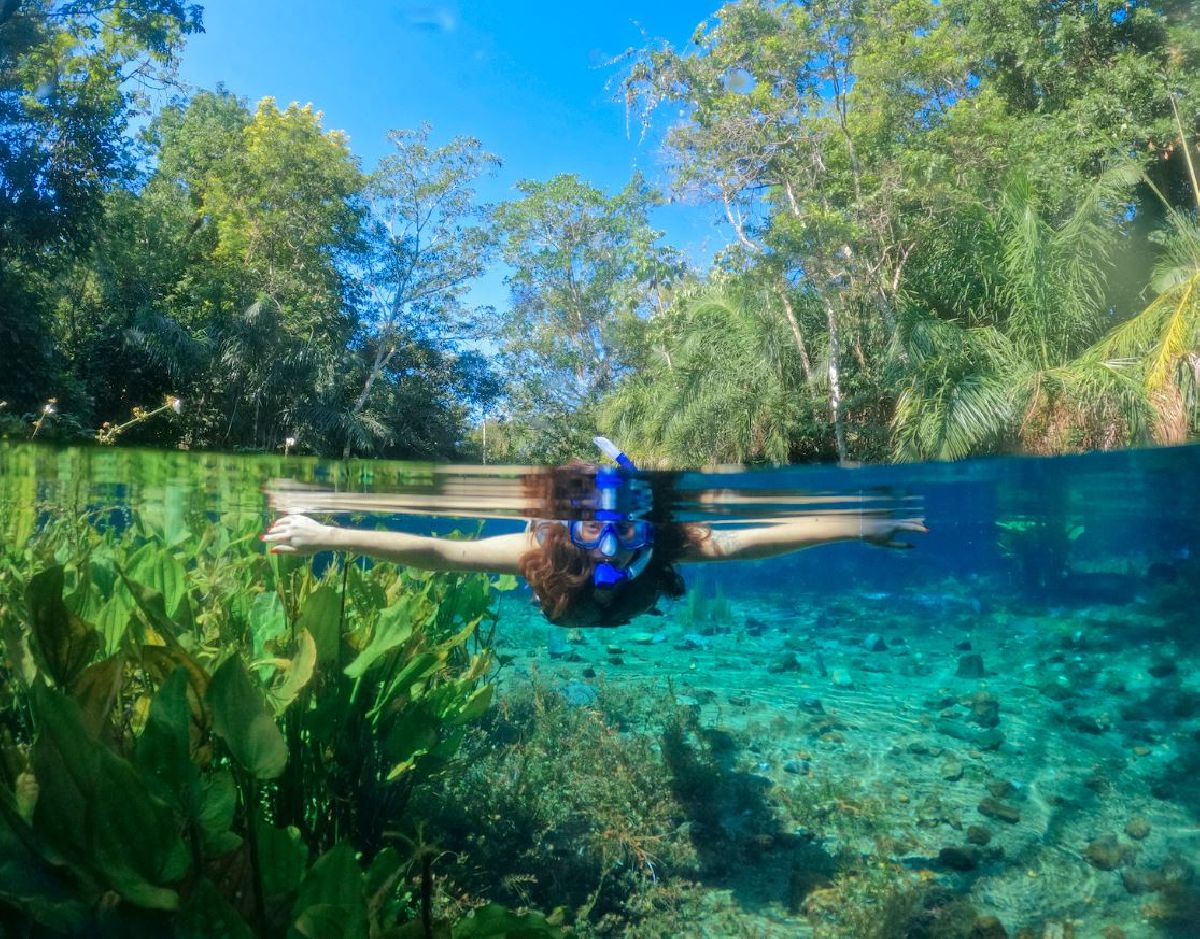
(280, 535)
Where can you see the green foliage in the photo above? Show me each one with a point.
(891, 161)
(583, 266)
(198, 738)
(64, 108)
(726, 385)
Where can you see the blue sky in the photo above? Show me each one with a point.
(527, 78)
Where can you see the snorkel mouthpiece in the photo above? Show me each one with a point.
(607, 576)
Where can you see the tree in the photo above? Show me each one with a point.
(583, 267)
(1005, 361)
(778, 103)
(225, 278)
(1162, 343)
(71, 77)
(726, 386)
(428, 242)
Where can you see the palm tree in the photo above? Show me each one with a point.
(1162, 343)
(1005, 358)
(727, 385)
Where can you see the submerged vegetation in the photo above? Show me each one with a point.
(951, 228)
(197, 738)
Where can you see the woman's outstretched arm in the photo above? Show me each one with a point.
(783, 537)
(499, 554)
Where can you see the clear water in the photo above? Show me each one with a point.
(999, 728)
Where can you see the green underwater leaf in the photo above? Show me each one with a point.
(282, 859)
(321, 616)
(331, 903)
(242, 719)
(61, 642)
(163, 750)
(497, 922)
(113, 619)
(28, 883)
(96, 811)
(97, 689)
(505, 582)
(153, 607)
(475, 706)
(297, 673)
(393, 628)
(209, 915)
(268, 621)
(154, 567)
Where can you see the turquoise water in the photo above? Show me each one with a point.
(996, 732)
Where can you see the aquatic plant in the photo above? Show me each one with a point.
(199, 738)
(555, 805)
(109, 432)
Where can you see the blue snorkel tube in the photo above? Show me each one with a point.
(614, 453)
(609, 483)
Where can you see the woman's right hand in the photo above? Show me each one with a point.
(298, 534)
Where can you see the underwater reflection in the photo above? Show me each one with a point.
(601, 544)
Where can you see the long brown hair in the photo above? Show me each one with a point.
(561, 573)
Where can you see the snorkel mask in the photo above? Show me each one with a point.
(613, 528)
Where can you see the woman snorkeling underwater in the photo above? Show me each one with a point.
(607, 552)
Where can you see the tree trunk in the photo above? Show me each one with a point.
(835, 387)
(805, 362)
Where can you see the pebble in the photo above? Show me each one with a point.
(1136, 881)
(1137, 828)
(1105, 853)
(784, 662)
(952, 770)
(797, 767)
(1001, 811)
(841, 678)
(970, 666)
(577, 694)
(987, 927)
(557, 645)
(812, 704)
(874, 643)
(960, 857)
(1089, 723)
(977, 834)
(1163, 668)
(985, 708)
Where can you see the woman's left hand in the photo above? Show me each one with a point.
(882, 531)
(298, 534)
